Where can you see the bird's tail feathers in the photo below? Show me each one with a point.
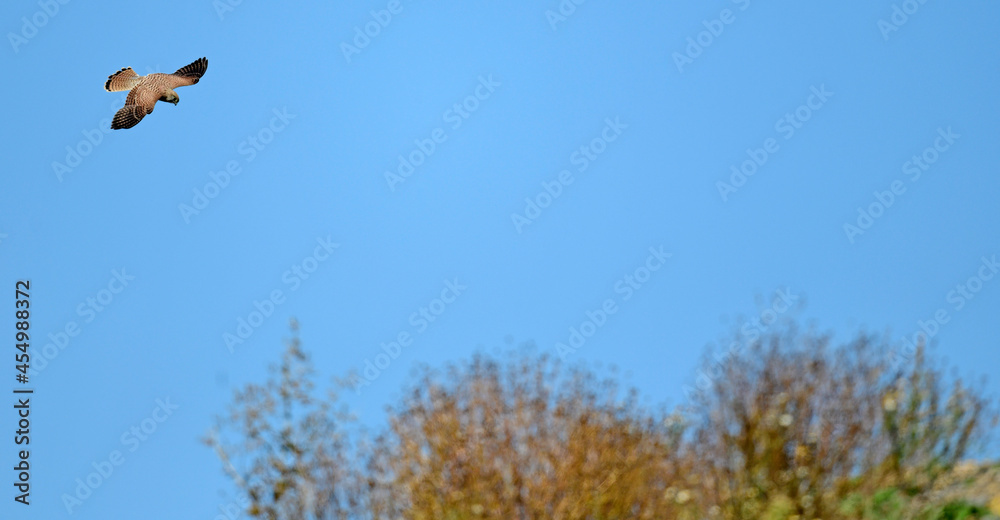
(124, 79)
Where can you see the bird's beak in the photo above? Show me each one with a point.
(175, 102)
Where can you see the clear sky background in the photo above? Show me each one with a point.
(318, 173)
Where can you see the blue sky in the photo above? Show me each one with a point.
(563, 166)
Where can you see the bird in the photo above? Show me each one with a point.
(145, 91)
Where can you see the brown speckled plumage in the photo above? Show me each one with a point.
(145, 91)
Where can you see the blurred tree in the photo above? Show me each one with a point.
(291, 454)
(784, 427)
(786, 423)
(520, 441)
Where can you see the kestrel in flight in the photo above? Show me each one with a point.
(145, 91)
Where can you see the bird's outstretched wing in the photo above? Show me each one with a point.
(140, 101)
(188, 74)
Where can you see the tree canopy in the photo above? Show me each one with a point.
(784, 426)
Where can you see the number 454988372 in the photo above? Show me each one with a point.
(21, 305)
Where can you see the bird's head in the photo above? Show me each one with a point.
(170, 97)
